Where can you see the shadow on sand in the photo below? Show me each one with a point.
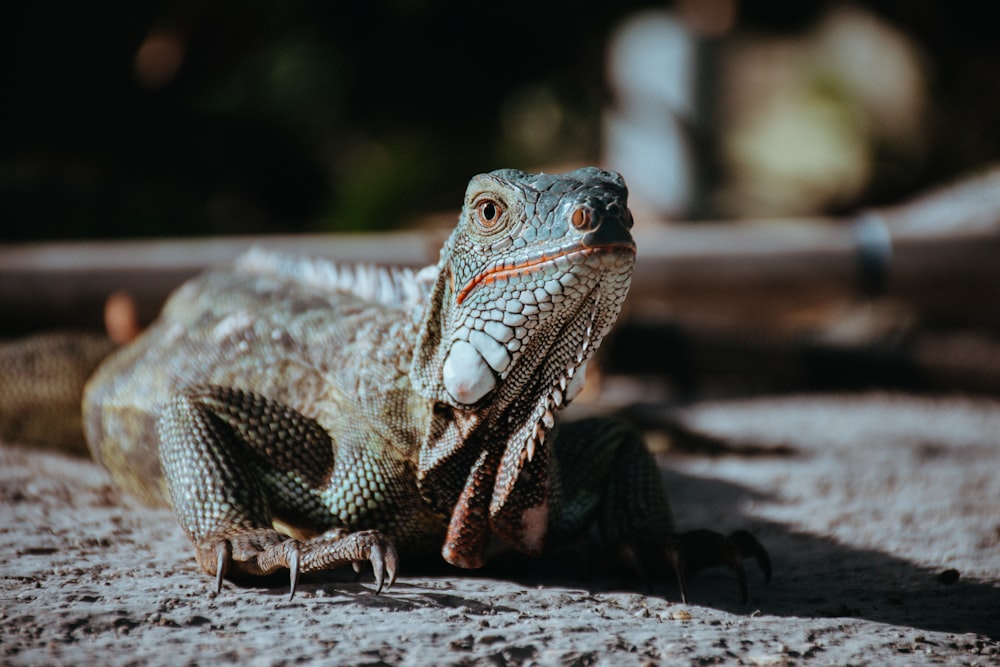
(813, 576)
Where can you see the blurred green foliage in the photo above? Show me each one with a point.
(182, 117)
(141, 119)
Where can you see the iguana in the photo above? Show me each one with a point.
(374, 413)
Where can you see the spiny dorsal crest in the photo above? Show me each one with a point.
(394, 287)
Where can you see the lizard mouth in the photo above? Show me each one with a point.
(506, 271)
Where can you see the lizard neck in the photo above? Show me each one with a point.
(486, 465)
(527, 285)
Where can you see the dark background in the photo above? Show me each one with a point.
(310, 115)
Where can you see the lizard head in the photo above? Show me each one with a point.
(528, 284)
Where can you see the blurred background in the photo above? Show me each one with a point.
(180, 118)
(790, 122)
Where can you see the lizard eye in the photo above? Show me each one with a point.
(489, 212)
(581, 218)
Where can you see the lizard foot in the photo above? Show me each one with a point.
(263, 552)
(699, 549)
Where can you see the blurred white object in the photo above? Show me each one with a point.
(652, 71)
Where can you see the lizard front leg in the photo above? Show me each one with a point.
(234, 462)
(604, 473)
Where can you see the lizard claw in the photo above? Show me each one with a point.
(223, 554)
(385, 561)
(294, 569)
(676, 560)
(750, 546)
(699, 549)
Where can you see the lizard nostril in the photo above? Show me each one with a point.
(622, 214)
(582, 219)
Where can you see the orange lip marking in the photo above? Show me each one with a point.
(502, 272)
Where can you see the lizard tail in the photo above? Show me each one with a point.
(41, 386)
(42, 379)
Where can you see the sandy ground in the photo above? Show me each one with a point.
(877, 500)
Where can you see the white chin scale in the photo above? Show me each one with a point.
(467, 377)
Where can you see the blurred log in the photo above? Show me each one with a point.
(59, 285)
(938, 255)
(695, 364)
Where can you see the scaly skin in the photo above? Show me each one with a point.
(380, 413)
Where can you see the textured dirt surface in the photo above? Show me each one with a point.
(871, 512)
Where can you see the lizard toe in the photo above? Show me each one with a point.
(700, 549)
(384, 559)
(390, 564)
(336, 548)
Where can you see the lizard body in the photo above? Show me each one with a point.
(385, 412)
